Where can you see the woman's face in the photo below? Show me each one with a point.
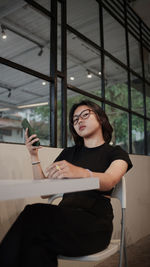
(85, 121)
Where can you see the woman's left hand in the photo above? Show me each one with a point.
(63, 169)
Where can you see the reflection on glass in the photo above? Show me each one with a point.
(73, 98)
(119, 122)
(147, 100)
(148, 137)
(116, 88)
(135, 55)
(137, 135)
(137, 99)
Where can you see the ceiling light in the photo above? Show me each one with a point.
(4, 36)
(99, 73)
(89, 75)
(43, 83)
(72, 78)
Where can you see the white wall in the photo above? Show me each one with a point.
(138, 201)
(15, 164)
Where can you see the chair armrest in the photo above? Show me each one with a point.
(53, 197)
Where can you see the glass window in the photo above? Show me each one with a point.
(146, 55)
(83, 63)
(59, 114)
(10, 123)
(22, 96)
(148, 136)
(119, 121)
(45, 3)
(137, 99)
(147, 100)
(28, 39)
(80, 14)
(19, 88)
(137, 135)
(116, 87)
(114, 37)
(135, 55)
(59, 26)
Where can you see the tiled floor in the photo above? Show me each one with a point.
(138, 255)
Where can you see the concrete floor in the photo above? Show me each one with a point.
(138, 255)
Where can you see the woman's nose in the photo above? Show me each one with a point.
(80, 120)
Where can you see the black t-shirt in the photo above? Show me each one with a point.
(96, 159)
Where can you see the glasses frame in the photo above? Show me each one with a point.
(76, 120)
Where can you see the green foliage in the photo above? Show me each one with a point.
(118, 94)
(43, 112)
(148, 106)
(40, 121)
(119, 122)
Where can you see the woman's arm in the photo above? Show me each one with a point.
(112, 175)
(107, 180)
(33, 151)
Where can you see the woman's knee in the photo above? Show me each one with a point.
(30, 212)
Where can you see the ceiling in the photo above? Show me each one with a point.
(28, 31)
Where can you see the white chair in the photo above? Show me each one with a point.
(115, 245)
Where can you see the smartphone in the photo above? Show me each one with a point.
(26, 124)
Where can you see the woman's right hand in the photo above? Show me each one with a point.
(29, 141)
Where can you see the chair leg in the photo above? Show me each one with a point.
(125, 252)
(122, 241)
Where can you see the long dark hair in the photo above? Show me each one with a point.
(101, 117)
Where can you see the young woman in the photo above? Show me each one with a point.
(82, 223)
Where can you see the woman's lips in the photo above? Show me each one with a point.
(82, 127)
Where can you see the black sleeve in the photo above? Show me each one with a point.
(60, 156)
(119, 153)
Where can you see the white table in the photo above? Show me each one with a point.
(14, 189)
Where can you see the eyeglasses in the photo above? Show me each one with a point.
(85, 114)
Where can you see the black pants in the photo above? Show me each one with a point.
(43, 231)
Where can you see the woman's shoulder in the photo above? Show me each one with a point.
(117, 152)
(115, 149)
(112, 147)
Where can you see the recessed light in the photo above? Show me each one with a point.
(4, 36)
(89, 75)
